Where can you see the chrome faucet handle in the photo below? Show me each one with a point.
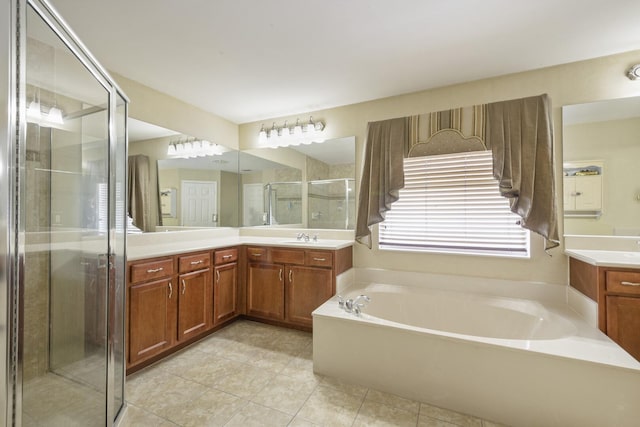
(299, 236)
(357, 305)
(315, 237)
(340, 301)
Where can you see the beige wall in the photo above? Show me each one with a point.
(163, 110)
(574, 83)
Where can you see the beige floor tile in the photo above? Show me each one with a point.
(215, 368)
(254, 415)
(136, 417)
(456, 418)
(344, 386)
(212, 408)
(424, 421)
(170, 396)
(393, 400)
(245, 383)
(285, 394)
(381, 415)
(301, 369)
(269, 359)
(301, 422)
(331, 407)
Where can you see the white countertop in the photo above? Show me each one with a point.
(135, 252)
(623, 259)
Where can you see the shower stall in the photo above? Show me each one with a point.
(283, 203)
(63, 152)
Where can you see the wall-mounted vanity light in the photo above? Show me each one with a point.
(634, 72)
(193, 148)
(36, 115)
(285, 135)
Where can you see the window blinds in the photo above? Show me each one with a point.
(451, 203)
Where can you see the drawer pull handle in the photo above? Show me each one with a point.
(630, 283)
(256, 254)
(184, 286)
(290, 276)
(155, 270)
(170, 290)
(197, 262)
(319, 259)
(228, 256)
(218, 275)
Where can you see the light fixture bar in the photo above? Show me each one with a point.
(285, 135)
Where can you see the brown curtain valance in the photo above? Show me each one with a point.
(382, 173)
(518, 132)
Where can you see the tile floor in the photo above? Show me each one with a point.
(252, 374)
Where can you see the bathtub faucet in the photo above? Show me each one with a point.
(353, 305)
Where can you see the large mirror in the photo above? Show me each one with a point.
(601, 150)
(184, 193)
(309, 185)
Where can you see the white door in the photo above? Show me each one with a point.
(252, 205)
(199, 203)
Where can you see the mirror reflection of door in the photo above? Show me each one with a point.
(199, 203)
(252, 205)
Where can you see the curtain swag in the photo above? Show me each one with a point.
(519, 134)
(138, 191)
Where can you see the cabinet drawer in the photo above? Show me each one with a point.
(626, 282)
(226, 255)
(141, 272)
(319, 258)
(194, 262)
(288, 256)
(258, 254)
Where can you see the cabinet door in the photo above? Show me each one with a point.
(225, 291)
(623, 323)
(307, 289)
(588, 193)
(195, 302)
(265, 291)
(151, 318)
(569, 192)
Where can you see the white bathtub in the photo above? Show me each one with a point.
(524, 359)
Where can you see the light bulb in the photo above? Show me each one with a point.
(55, 116)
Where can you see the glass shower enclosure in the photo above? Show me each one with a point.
(63, 154)
(331, 203)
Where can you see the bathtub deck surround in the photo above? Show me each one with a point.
(468, 369)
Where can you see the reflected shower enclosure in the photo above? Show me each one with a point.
(64, 186)
(283, 203)
(331, 203)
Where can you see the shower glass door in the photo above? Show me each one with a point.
(72, 212)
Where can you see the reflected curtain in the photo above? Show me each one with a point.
(139, 191)
(382, 173)
(519, 133)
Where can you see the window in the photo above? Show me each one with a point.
(451, 203)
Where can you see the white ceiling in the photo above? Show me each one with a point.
(248, 60)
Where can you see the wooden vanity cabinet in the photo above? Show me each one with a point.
(225, 285)
(617, 292)
(265, 285)
(287, 284)
(152, 309)
(195, 295)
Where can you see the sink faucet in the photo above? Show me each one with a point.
(302, 236)
(353, 305)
